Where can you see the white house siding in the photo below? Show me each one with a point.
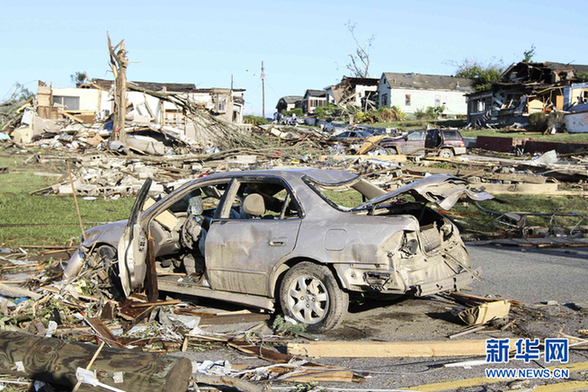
(89, 99)
(454, 101)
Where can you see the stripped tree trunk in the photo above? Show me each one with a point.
(119, 64)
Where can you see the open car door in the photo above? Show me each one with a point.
(132, 247)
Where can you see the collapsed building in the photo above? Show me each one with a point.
(93, 102)
(526, 88)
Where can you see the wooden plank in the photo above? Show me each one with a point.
(370, 143)
(519, 189)
(387, 158)
(234, 319)
(345, 349)
(66, 114)
(476, 381)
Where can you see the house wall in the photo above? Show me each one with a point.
(310, 104)
(454, 101)
(361, 90)
(573, 92)
(90, 99)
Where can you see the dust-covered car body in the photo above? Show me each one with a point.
(284, 235)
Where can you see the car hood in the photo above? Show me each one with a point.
(440, 189)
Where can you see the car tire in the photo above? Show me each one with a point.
(310, 294)
(446, 153)
(391, 151)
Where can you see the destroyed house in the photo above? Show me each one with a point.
(289, 102)
(413, 91)
(226, 104)
(359, 92)
(94, 101)
(313, 99)
(524, 89)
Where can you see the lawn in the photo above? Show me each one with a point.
(408, 125)
(470, 217)
(478, 220)
(49, 219)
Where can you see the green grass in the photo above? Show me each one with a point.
(408, 125)
(18, 207)
(419, 124)
(478, 220)
(558, 137)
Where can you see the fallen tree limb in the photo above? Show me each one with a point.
(56, 361)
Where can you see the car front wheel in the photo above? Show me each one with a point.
(310, 294)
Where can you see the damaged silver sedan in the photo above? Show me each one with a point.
(302, 239)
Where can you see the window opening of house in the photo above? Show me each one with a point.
(68, 103)
(174, 118)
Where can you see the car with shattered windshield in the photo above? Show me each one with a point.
(300, 240)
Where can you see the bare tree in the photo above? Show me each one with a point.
(119, 64)
(359, 63)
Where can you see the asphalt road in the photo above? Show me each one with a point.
(532, 275)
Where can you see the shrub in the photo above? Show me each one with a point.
(430, 113)
(538, 122)
(298, 112)
(329, 112)
(254, 120)
(360, 117)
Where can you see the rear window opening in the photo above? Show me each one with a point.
(346, 196)
(452, 135)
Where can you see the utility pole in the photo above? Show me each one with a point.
(262, 91)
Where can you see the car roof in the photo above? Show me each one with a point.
(324, 176)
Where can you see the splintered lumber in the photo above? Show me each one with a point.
(261, 352)
(105, 333)
(56, 361)
(346, 349)
(16, 292)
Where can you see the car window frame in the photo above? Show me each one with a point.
(189, 187)
(223, 210)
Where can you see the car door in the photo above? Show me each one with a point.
(241, 251)
(414, 141)
(132, 247)
(432, 140)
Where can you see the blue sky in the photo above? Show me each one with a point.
(303, 44)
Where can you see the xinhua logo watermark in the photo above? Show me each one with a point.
(527, 350)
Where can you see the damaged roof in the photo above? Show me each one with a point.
(172, 87)
(545, 73)
(292, 98)
(169, 87)
(315, 93)
(426, 82)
